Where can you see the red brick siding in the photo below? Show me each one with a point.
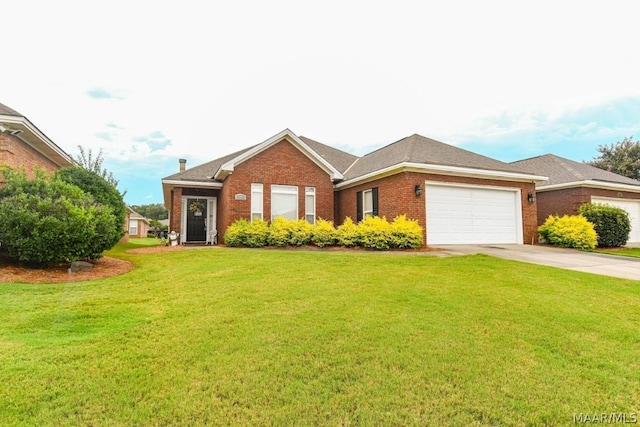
(282, 164)
(16, 153)
(396, 196)
(176, 210)
(567, 201)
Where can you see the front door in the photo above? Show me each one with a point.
(196, 220)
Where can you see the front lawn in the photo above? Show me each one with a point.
(221, 336)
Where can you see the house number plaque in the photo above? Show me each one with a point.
(240, 196)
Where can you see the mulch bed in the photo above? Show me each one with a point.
(104, 267)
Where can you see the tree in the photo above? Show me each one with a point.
(47, 221)
(622, 158)
(103, 193)
(94, 164)
(155, 211)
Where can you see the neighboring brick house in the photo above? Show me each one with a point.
(138, 226)
(22, 144)
(456, 196)
(572, 184)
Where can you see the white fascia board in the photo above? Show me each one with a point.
(27, 125)
(227, 168)
(192, 184)
(444, 170)
(591, 184)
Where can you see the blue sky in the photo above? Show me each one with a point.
(151, 82)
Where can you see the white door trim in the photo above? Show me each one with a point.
(211, 223)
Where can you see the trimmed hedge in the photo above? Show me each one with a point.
(372, 233)
(611, 223)
(569, 232)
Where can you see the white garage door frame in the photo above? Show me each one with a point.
(632, 206)
(511, 224)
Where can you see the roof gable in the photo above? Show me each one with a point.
(563, 172)
(227, 167)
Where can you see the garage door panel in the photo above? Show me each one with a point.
(471, 215)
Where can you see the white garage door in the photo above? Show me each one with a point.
(632, 207)
(472, 214)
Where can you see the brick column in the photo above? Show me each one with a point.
(176, 210)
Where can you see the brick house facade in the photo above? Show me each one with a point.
(330, 183)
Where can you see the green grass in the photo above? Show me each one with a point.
(273, 337)
(630, 252)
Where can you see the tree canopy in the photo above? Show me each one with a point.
(155, 211)
(622, 158)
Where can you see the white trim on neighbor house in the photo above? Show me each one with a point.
(211, 223)
(228, 167)
(23, 124)
(517, 204)
(591, 184)
(441, 170)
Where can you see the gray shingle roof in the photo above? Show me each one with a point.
(418, 149)
(565, 171)
(205, 171)
(6, 111)
(339, 159)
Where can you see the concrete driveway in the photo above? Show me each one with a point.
(571, 259)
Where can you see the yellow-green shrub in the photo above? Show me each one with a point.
(244, 233)
(347, 234)
(280, 232)
(323, 233)
(375, 232)
(569, 232)
(236, 233)
(301, 232)
(405, 233)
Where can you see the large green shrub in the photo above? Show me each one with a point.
(569, 232)
(611, 223)
(103, 193)
(47, 221)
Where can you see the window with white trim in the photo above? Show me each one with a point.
(256, 201)
(133, 227)
(367, 203)
(310, 204)
(284, 201)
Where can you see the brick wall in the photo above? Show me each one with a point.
(176, 210)
(567, 201)
(282, 164)
(16, 153)
(396, 196)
